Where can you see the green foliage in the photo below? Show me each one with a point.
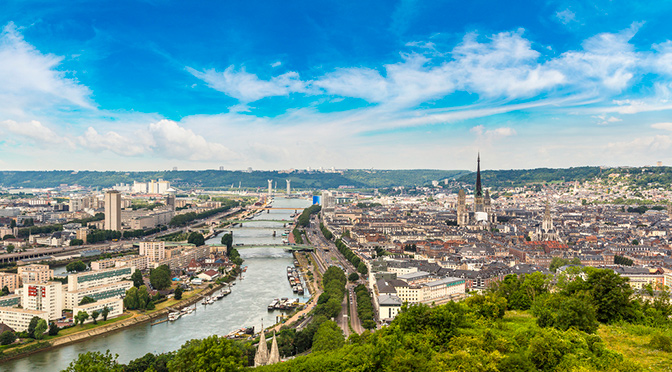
(661, 342)
(40, 328)
(137, 298)
(94, 315)
(53, 329)
(96, 236)
(487, 306)
(329, 302)
(354, 260)
(365, 307)
(86, 300)
(304, 218)
(81, 317)
(95, 361)
(558, 262)
(8, 236)
(76, 266)
(234, 257)
(160, 278)
(178, 293)
(565, 312)
(297, 236)
(136, 277)
(361, 268)
(353, 277)
(32, 325)
(520, 292)
(327, 234)
(329, 336)
(196, 239)
(620, 260)
(7, 337)
(5, 291)
(105, 312)
(75, 242)
(209, 354)
(149, 362)
(227, 240)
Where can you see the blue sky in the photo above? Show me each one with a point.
(144, 85)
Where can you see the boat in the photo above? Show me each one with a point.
(273, 305)
(175, 315)
(205, 301)
(211, 300)
(299, 289)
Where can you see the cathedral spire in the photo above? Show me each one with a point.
(479, 190)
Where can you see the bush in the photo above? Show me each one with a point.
(661, 342)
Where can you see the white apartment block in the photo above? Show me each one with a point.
(154, 251)
(115, 290)
(98, 278)
(440, 290)
(181, 257)
(19, 319)
(139, 262)
(114, 305)
(46, 297)
(35, 273)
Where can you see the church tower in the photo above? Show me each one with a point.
(261, 357)
(462, 216)
(547, 222)
(274, 355)
(478, 195)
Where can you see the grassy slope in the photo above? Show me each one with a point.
(632, 341)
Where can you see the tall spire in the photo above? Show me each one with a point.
(274, 355)
(479, 190)
(261, 357)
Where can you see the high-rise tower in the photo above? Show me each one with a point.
(270, 187)
(113, 210)
(462, 216)
(289, 187)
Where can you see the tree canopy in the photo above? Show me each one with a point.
(160, 278)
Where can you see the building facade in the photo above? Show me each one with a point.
(113, 210)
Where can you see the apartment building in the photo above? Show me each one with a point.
(47, 296)
(9, 280)
(114, 305)
(115, 290)
(35, 273)
(19, 319)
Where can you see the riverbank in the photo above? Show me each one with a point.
(122, 323)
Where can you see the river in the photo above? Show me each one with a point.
(264, 280)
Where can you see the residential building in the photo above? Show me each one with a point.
(9, 280)
(113, 210)
(115, 290)
(19, 319)
(154, 251)
(35, 273)
(114, 305)
(46, 296)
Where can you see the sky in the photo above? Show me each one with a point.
(157, 84)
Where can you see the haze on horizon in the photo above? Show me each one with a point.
(389, 85)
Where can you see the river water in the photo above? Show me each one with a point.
(264, 280)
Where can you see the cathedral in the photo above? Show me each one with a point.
(482, 210)
(263, 357)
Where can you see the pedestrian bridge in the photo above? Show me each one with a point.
(295, 247)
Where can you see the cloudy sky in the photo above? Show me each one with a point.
(149, 85)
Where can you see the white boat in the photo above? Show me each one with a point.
(174, 316)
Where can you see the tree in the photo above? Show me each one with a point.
(143, 298)
(53, 329)
(76, 266)
(8, 236)
(227, 240)
(610, 294)
(131, 299)
(362, 268)
(95, 361)
(353, 277)
(32, 325)
(196, 238)
(40, 328)
(86, 300)
(81, 317)
(75, 242)
(5, 291)
(136, 277)
(105, 312)
(209, 354)
(178, 293)
(12, 224)
(160, 277)
(328, 337)
(94, 316)
(10, 248)
(7, 337)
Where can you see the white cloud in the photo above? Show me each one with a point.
(608, 59)
(566, 16)
(663, 126)
(32, 130)
(355, 82)
(181, 143)
(113, 141)
(276, 64)
(492, 134)
(248, 87)
(645, 145)
(605, 119)
(29, 80)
